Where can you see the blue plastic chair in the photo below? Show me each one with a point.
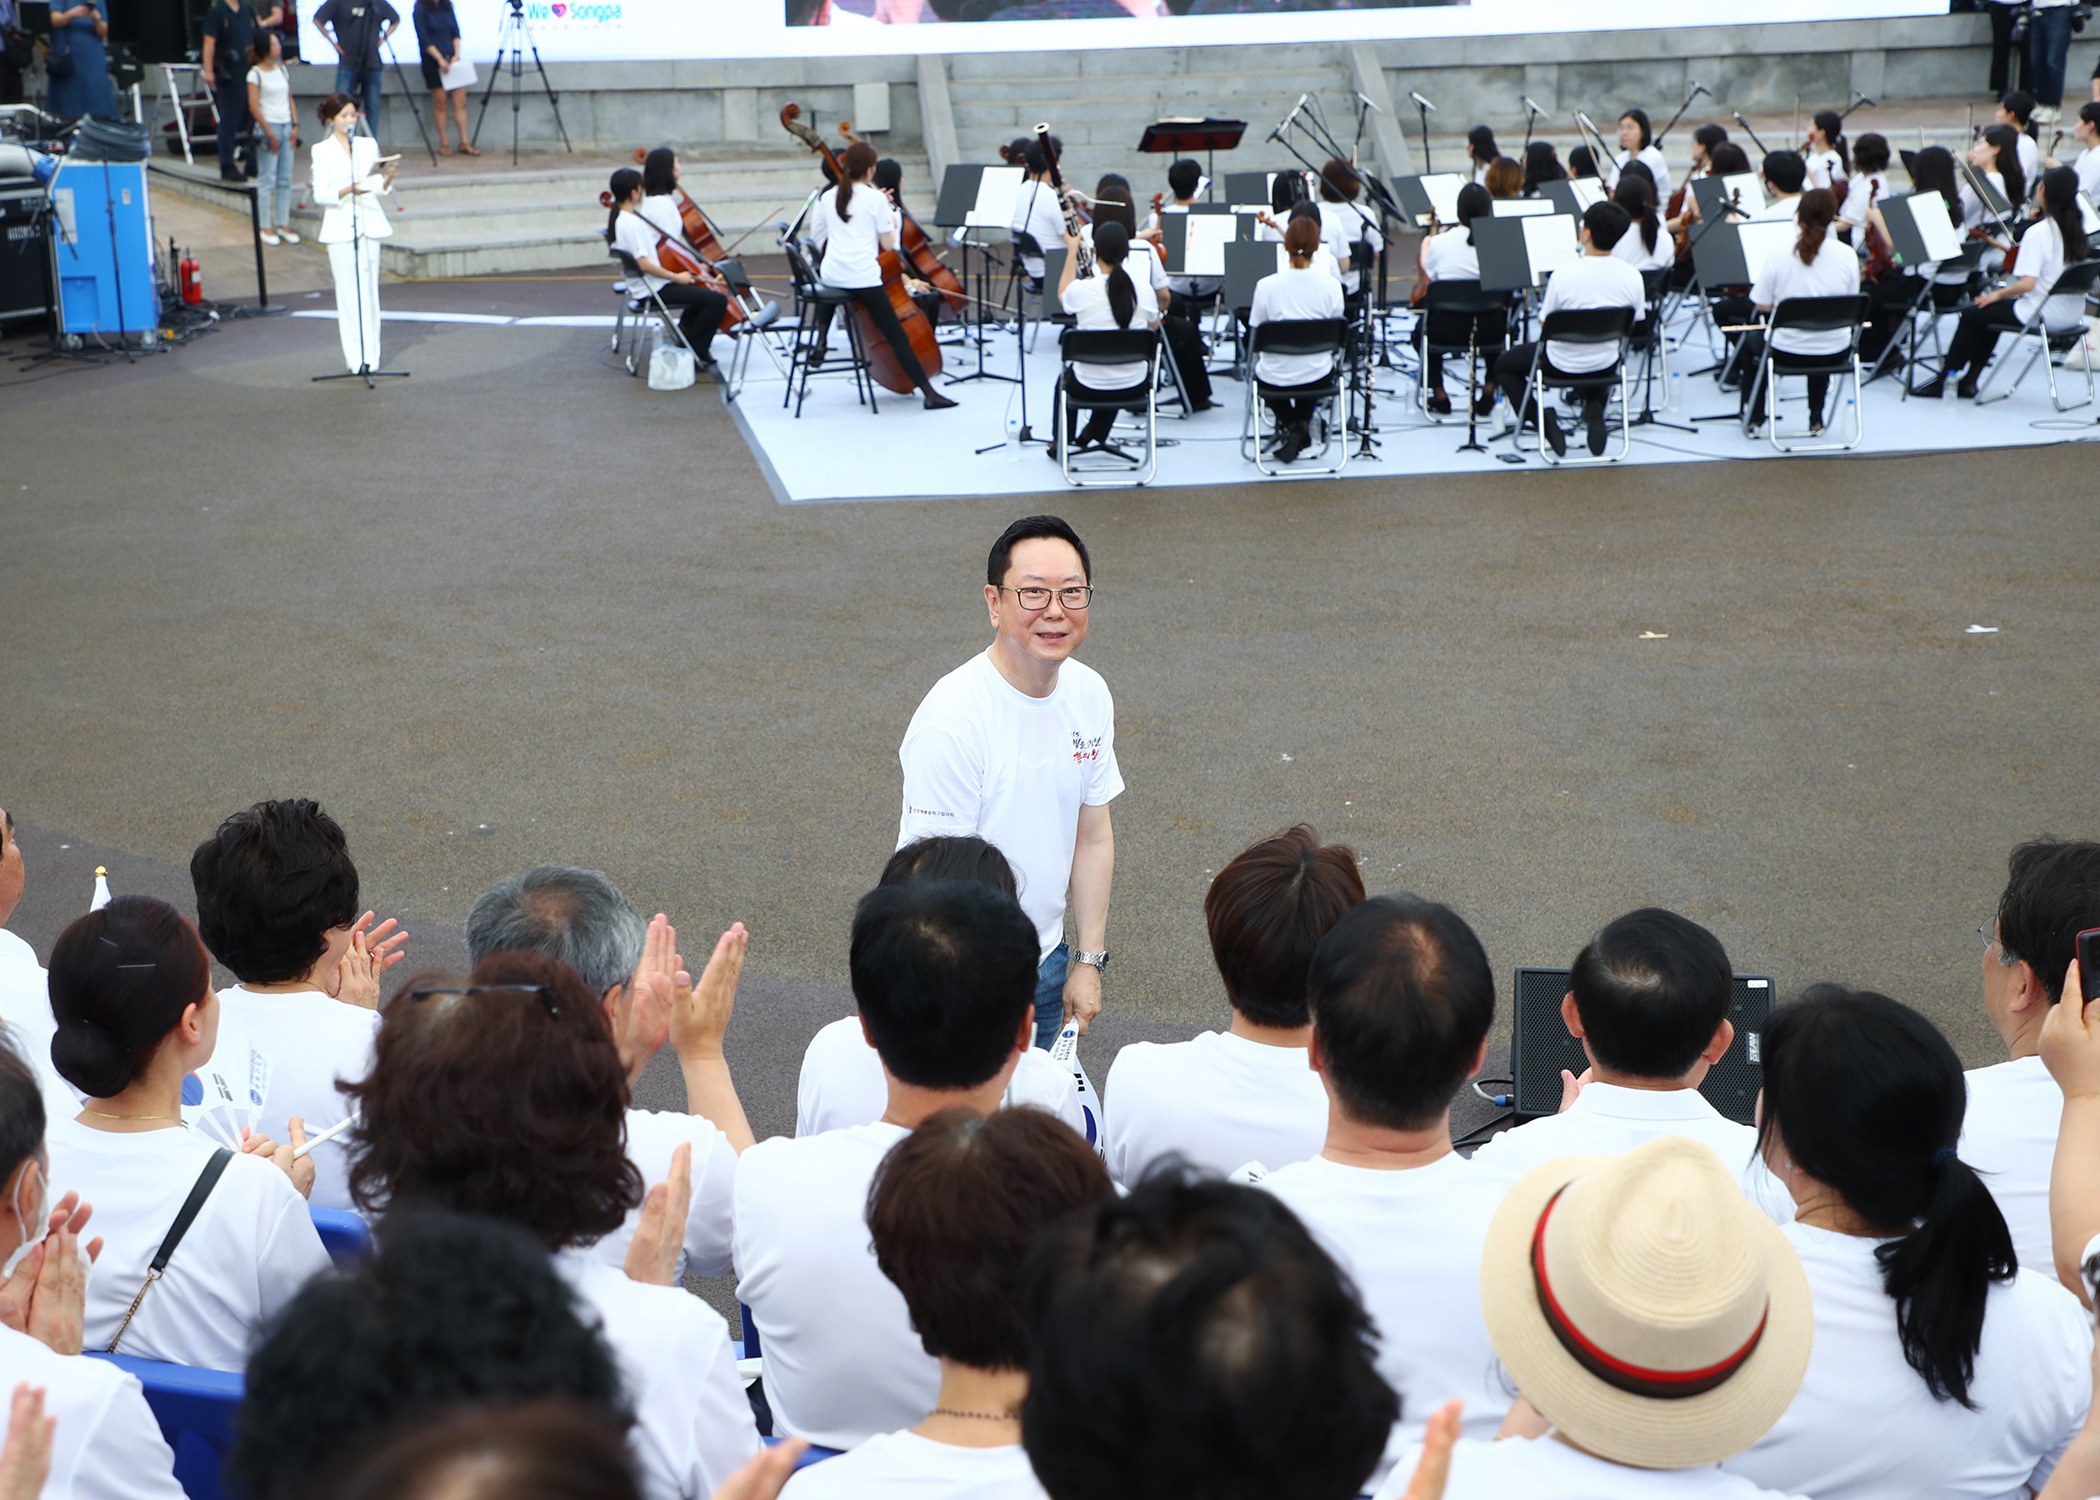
(812, 1455)
(195, 1410)
(344, 1235)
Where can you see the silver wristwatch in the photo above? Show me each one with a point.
(1096, 960)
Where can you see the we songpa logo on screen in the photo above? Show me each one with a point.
(566, 10)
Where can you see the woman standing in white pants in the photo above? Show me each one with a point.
(347, 180)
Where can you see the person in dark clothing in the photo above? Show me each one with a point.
(229, 32)
(358, 29)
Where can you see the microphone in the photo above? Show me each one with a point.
(1531, 105)
(1863, 99)
(1698, 88)
(1421, 101)
(1366, 102)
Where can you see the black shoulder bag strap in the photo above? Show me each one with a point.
(191, 1207)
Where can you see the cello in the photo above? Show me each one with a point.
(696, 251)
(919, 250)
(882, 359)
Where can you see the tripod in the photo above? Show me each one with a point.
(517, 31)
(409, 94)
(364, 370)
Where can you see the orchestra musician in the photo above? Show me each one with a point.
(1344, 228)
(853, 226)
(1037, 211)
(1637, 143)
(1107, 299)
(1450, 255)
(2056, 239)
(1931, 173)
(1503, 178)
(2016, 112)
(1303, 291)
(889, 181)
(1599, 279)
(1784, 175)
(1183, 179)
(1582, 162)
(1704, 139)
(1867, 184)
(630, 230)
(1644, 247)
(1147, 269)
(2086, 131)
(1996, 158)
(1817, 266)
(1713, 155)
(1481, 152)
(1828, 165)
(1541, 164)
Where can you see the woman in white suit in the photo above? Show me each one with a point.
(347, 180)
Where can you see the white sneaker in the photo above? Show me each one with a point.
(269, 237)
(2046, 114)
(288, 237)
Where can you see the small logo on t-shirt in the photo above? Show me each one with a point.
(925, 812)
(1084, 749)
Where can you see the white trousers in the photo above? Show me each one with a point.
(356, 271)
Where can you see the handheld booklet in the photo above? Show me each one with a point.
(1516, 253)
(978, 197)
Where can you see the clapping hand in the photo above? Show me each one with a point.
(700, 1013)
(1433, 1469)
(641, 1031)
(286, 1157)
(46, 1298)
(371, 954)
(652, 1255)
(25, 1462)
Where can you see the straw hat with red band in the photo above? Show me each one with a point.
(1645, 1306)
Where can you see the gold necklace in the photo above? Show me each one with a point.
(103, 1114)
(989, 1416)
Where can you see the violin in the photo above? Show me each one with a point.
(1679, 197)
(1420, 294)
(882, 359)
(918, 249)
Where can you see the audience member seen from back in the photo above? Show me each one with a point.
(447, 1311)
(131, 991)
(25, 997)
(841, 1082)
(1247, 1094)
(632, 966)
(2009, 1132)
(1939, 1372)
(952, 1213)
(107, 1445)
(1648, 998)
(547, 1450)
(503, 1095)
(944, 975)
(277, 904)
(1193, 1339)
(1402, 1000)
(1647, 1312)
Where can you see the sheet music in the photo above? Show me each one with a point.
(1589, 192)
(1519, 208)
(1443, 189)
(1764, 239)
(1208, 235)
(1942, 239)
(1549, 244)
(1753, 192)
(996, 191)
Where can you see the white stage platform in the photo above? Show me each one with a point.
(840, 451)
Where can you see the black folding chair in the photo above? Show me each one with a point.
(2049, 343)
(1811, 315)
(1108, 346)
(1446, 328)
(817, 306)
(1583, 325)
(638, 302)
(1297, 336)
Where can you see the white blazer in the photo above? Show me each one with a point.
(335, 170)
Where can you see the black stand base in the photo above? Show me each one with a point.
(367, 374)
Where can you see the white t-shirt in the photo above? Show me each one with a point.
(1218, 1100)
(1777, 207)
(1341, 226)
(1860, 191)
(108, 1445)
(1550, 1470)
(1864, 1427)
(1652, 158)
(1293, 294)
(1591, 281)
(1411, 1241)
(1606, 1120)
(652, 1135)
(693, 1425)
(842, 1083)
(2041, 256)
(2009, 1136)
(251, 1247)
(1145, 268)
(638, 238)
(1823, 168)
(1451, 256)
(1974, 211)
(1634, 250)
(842, 1360)
(1087, 301)
(982, 757)
(1036, 211)
(1834, 273)
(905, 1466)
(852, 246)
(306, 1041)
(274, 88)
(25, 1007)
(2030, 157)
(2087, 166)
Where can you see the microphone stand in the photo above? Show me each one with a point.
(1744, 125)
(1423, 107)
(1472, 444)
(1531, 114)
(1697, 89)
(1859, 102)
(1364, 428)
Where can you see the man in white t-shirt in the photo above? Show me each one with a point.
(943, 974)
(25, 997)
(1599, 279)
(1402, 999)
(277, 903)
(1245, 1095)
(1648, 999)
(2052, 893)
(581, 918)
(1018, 745)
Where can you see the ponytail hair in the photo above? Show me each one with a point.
(1111, 249)
(1817, 211)
(1474, 202)
(860, 159)
(2006, 142)
(1636, 194)
(624, 182)
(121, 978)
(1832, 124)
(1301, 238)
(1866, 1096)
(2060, 202)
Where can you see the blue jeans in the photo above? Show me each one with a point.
(2048, 48)
(273, 182)
(1050, 995)
(363, 87)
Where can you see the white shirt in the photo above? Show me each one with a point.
(1834, 273)
(25, 1007)
(2009, 1136)
(982, 757)
(332, 171)
(2041, 256)
(1823, 166)
(1341, 226)
(299, 1045)
(1634, 250)
(1037, 212)
(1591, 281)
(1411, 1241)
(2030, 156)
(1864, 1427)
(250, 1249)
(1145, 268)
(852, 247)
(1087, 301)
(1861, 190)
(1652, 158)
(1607, 1120)
(652, 1135)
(638, 238)
(2087, 166)
(1974, 210)
(274, 89)
(905, 1466)
(842, 1360)
(842, 1083)
(1289, 295)
(1217, 1100)
(1549, 1469)
(108, 1445)
(1451, 256)
(693, 1425)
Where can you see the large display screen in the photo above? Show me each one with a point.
(658, 30)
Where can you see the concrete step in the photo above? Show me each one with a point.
(433, 257)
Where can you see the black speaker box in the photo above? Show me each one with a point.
(1540, 1046)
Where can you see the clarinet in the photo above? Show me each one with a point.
(1083, 254)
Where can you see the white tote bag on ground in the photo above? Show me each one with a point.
(671, 368)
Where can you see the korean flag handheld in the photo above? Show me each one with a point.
(1066, 1052)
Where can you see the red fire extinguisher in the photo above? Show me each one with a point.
(191, 277)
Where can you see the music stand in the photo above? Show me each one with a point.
(979, 198)
(1915, 240)
(1182, 136)
(1518, 254)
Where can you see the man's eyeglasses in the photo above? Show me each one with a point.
(1988, 931)
(546, 995)
(1076, 597)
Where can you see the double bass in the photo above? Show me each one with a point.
(882, 359)
(919, 250)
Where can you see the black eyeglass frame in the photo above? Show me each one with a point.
(546, 995)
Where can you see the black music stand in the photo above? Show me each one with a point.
(1183, 136)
